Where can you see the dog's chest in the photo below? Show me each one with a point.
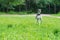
(38, 16)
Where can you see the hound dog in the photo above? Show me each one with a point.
(38, 17)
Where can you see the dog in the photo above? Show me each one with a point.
(38, 17)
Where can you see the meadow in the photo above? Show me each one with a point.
(58, 14)
(26, 28)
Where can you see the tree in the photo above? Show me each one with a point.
(10, 3)
(56, 3)
(31, 5)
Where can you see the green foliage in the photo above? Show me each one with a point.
(29, 5)
(10, 3)
(56, 2)
(18, 2)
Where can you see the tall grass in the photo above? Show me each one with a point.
(26, 28)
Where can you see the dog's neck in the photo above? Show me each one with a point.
(38, 14)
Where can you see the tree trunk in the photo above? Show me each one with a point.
(49, 8)
(54, 8)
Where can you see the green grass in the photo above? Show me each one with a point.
(12, 12)
(58, 14)
(26, 28)
(18, 13)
